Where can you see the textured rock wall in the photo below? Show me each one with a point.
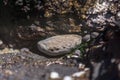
(28, 8)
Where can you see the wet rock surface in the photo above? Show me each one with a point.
(22, 66)
(21, 60)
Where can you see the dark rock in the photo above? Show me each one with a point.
(94, 34)
(86, 38)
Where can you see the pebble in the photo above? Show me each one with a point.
(74, 56)
(119, 66)
(67, 78)
(1, 42)
(118, 14)
(81, 66)
(59, 45)
(8, 72)
(94, 34)
(33, 27)
(87, 69)
(86, 37)
(84, 74)
(85, 32)
(77, 52)
(37, 22)
(54, 75)
(100, 28)
(24, 50)
(9, 50)
(80, 74)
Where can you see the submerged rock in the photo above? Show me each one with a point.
(59, 45)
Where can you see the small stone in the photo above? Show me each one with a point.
(67, 78)
(75, 56)
(1, 42)
(6, 50)
(33, 27)
(94, 34)
(87, 69)
(86, 38)
(10, 45)
(59, 45)
(37, 22)
(77, 52)
(47, 14)
(113, 60)
(8, 72)
(100, 28)
(84, 16)
(24, 50)
(87, 49)
(81, 66)
(85, 32)
(80, 74)
(119, 66)
(118, 14)
(54, 75)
